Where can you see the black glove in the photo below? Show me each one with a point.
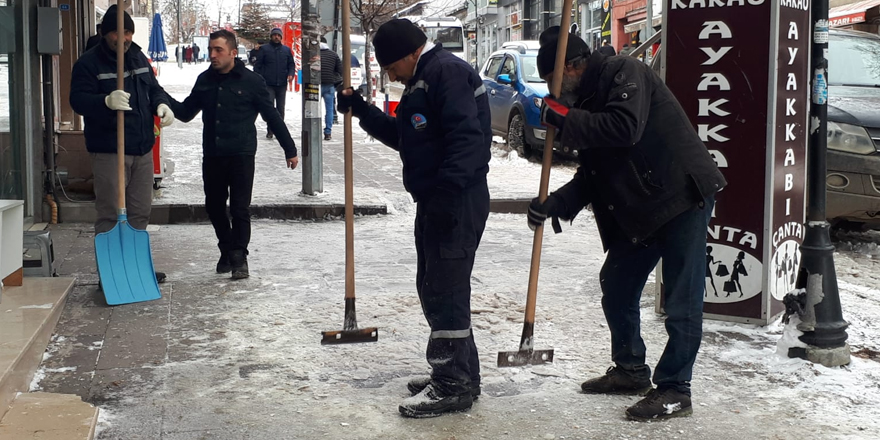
(552, 207)
(553, 112)
(354, 102)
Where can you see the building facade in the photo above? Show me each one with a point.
(23, 141)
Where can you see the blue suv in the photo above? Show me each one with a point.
(515, 96)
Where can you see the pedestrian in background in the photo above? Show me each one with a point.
(443, 133)
(95, 40)
(93, 94)
(652, 184)
(331, 78)
(196, 49)
(275, 64)
(230, 96)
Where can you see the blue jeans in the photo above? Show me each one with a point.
(682, 244)
(328, 92)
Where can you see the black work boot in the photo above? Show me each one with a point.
(238, 259)
(432, 403)
(617, 381)
(224, 265)
(659, 404)
(415, 386)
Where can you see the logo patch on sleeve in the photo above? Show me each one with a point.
(418, 121)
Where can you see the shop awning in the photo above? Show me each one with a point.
(851, 14)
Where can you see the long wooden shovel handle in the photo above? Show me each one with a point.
(556, 88)
(120, 114)
(349, 184)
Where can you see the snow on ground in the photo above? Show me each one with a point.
(510, 176)
(252, 366)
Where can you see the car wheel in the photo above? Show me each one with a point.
(516, 136)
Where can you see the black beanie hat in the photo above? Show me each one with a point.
(396, 39)
(108, 24)
(547, 53)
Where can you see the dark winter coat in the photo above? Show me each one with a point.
(331, 68)
(94, 77)
(229, 105)
(442, 129)
(275, 63)
(642, 162)
(608, 50)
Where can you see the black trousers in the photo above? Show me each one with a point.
(277, 94)
(443, 280)
(229, 178)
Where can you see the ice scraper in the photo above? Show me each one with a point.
(350, 332)
(527, 355)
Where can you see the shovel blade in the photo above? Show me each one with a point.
(370, 334)
(125, 265)
(524, 357)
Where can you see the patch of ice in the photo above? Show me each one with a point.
(41, 306)
(39, 375)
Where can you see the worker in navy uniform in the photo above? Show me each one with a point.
(652, 185)
(442, 131)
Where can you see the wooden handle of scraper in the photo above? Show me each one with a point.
(556, 88)
(349, 184)
(120, 114)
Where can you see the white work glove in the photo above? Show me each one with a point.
(117, 100)
(164, 112)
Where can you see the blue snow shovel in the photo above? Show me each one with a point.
(125, 263)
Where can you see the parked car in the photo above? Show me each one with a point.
(242, 54)
(515, 96)
(853, 178)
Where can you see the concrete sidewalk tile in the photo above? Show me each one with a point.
(125, 421)
(77, 351)
(135, 340)
(193, 345)
(83, 319)
(111, 385)
(68, 382)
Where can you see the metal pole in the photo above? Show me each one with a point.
(822, 318)
(311, 99)
(649, 28)
(179, 50)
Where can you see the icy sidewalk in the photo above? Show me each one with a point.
(377, 168)
(216, 359)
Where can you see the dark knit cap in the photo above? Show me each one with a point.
(547, 53)
(396, 39)
(108, 24)
(276, 31)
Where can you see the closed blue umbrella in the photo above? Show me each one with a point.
(157, 49)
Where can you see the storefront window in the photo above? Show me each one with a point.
(10, 155)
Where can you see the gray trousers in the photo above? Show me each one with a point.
(138, 189)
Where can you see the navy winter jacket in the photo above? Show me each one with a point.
(229, 105)
(275, 63)
(94, 77)
(442, 129)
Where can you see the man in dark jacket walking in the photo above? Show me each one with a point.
(331, 77)
(652, 185)
(275, 64)
(230, 96)
(93, 94)
(196, 50)
(95, 40)
(443, 133)
(607, 49)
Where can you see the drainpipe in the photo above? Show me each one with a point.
(49, 129)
